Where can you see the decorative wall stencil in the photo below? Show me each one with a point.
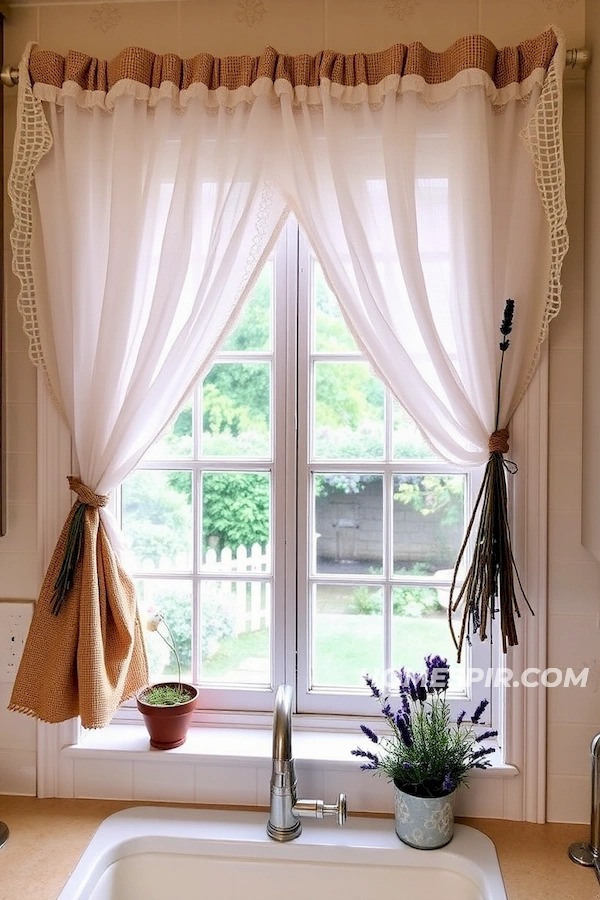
(250, 11)
(401, 9)
(105, 17)
(559, 6)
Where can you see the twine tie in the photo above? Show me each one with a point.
(498, 442)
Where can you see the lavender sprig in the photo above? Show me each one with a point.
(369, 733)
(479, 711)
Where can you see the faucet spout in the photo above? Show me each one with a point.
(282, 724)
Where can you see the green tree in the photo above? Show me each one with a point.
(235, 508)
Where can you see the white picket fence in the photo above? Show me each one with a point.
(247, 600)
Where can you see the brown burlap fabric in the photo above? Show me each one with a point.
(504, 66)
(90, 657)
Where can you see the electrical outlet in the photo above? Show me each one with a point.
(14, 624)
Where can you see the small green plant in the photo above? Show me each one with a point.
(166, 694)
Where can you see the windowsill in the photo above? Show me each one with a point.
(237, 746)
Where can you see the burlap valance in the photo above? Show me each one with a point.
(506, 66)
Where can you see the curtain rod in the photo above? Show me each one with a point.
(577, 57)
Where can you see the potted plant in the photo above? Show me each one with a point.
(424, 753)
(167, 706)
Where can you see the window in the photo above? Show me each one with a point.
(291, 523)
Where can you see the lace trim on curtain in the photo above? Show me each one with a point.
(33, 140)
(352, 79)
(302, 95)
(543, 140)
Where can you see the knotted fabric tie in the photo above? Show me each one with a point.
(86, 499)
(85, 494)
(498, 442)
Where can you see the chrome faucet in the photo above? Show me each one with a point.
(580, 852)
(285, 809)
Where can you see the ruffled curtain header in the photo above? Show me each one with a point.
(168, 73)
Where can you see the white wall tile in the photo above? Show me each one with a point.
(564, 537)
(569, 798)
(21, 419)
(21, 530)
(17, 772)
(21, 378)
(574, 588)
(311, 784)
(173, 782)
(573, 641)
(17, 731)
(575, 704)
(363, 790)
(569, 748)
(19, 575)
(481, 804)
(103, 779)
(228, 785)
(21, 477)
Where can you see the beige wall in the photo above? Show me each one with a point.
(295, 26)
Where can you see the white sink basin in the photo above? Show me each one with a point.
(149, 853)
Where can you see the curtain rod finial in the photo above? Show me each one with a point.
(9, 76)
(578, 57)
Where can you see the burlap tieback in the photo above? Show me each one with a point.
(85, 650)
(498, 442)
(85, 495)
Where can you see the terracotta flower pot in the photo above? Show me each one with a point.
(168, 725)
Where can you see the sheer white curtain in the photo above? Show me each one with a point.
(151, 222)
(431, 202)
(429, 208)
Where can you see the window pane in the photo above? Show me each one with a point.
(156, 511)
(348, 412)
(330, 332)
(347, 635)
(420, 627)
(236, 400)
(429, 522)
(173, 599)
(235, 632)
(235, 514)
(253, 331)
(348, 523)
(176, 441)
(408, 442)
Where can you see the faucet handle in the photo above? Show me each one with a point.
(339, 809)
(316, 809)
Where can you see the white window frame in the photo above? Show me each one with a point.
(522, 714)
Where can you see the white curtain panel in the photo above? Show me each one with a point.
(153, 224)
(427, 214)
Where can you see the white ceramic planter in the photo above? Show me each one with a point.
(424, 822)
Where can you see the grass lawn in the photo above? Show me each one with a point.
(346, 646)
